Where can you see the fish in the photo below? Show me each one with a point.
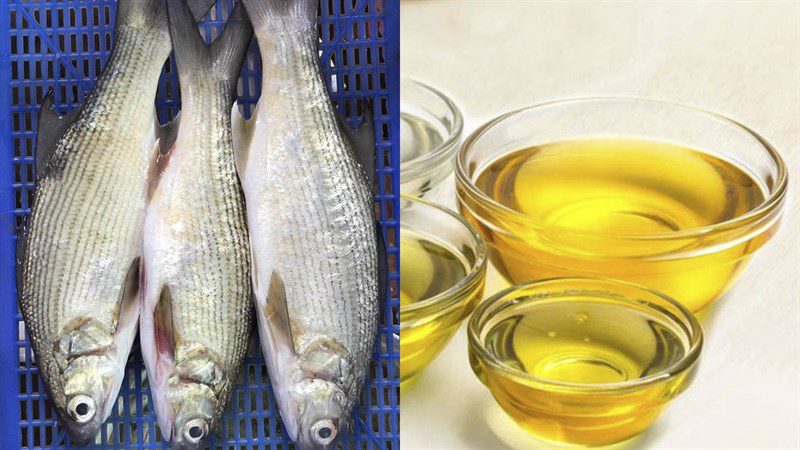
(196, 305)
(318, 257)
(77, 258)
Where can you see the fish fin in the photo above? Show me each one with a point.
(155, 170)
(152, 14)
(278, 349)
(148, 14)
(242, 130)
(127, 321)
(127, 305)
(261, 12)
(163, 325)
(225, 55)
(362, 138)
(21, 255)
(276, 311)
(51, 127)
(229, 49)
(200, 8)
(167, 134)
(162, 151)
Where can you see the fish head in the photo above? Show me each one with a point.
(191, 399)
(323, 411)
(89, 388)
(194, 407)
(326, 376)
(92, 369)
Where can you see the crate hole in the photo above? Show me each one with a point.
(387, 158)
(385, 131)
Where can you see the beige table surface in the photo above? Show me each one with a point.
(742, 60)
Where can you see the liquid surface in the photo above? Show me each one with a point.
(427, 268)
(620, 186)
(585, 342)
(583, 196)
(590, 342)
(417, 137)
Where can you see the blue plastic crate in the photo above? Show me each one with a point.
(64, 45)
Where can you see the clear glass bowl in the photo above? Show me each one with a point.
(430, 131)
(600, 361)
(694, 266)
(434, 300)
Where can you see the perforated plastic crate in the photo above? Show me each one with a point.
(64, 45)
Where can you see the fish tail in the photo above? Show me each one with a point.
(264, 12)
(223, 58)
(152, 14)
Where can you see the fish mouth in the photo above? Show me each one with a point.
(192, 435)
(82, 420)
(82, 409)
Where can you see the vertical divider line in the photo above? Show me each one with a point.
(9, 402)
(391, 23)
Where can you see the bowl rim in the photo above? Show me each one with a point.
(769, 204)
(686, 362)
(453, 293)
(409, 168)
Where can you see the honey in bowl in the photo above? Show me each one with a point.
(616, 208)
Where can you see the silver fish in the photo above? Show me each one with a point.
(196, 296)
(77, 255)
(315, 249)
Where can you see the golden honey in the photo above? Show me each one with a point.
(618, 208)
(435, 296)
(583, 361)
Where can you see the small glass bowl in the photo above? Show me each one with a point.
(428, 324)
(430, 131)
(583, 313)
(694, 266)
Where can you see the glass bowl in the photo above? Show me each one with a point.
(694, 265)
(583, 361)
(430, 131)
(442, 273)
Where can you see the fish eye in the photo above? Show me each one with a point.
(195, 430)
(323, 431)
(81, 408)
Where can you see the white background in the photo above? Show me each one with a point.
(740, 59)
